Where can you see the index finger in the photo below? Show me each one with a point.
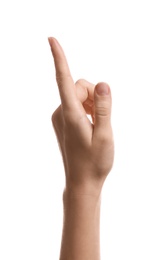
(63, 76)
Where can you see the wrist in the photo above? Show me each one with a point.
(80, 195)
(87, 190)
(81, 230)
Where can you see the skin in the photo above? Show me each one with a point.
(87, 149)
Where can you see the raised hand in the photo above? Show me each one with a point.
(87, 147)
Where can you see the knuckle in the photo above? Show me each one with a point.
(56, 115)
(60, 78)
(54, 120)
(53, 116)
(101, 111)
(59, 81)
(80, 81)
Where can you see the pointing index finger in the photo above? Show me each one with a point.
(63, 76)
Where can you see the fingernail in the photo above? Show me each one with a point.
(102, 89)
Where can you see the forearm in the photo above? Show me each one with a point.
(81, 227)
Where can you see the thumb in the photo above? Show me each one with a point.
(102, 107)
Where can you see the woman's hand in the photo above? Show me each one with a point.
(87, 147)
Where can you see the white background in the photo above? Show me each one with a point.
(120, 42)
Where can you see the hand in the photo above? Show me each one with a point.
(87, 148)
